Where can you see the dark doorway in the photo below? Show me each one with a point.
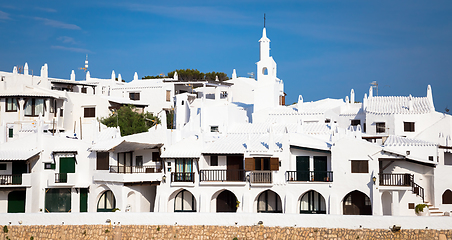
(226, 202)
(357, 203)
(302, 168)
(269, 202)
(19, 167)
(312, 202)
(16, 202)
(235, 170)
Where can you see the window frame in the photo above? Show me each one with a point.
(16, 105)
(213, 160)
(3, 167)
(88, 114)
(380, 127)
(359, 166)
(134, 96)
(409, 127)
(33, 107)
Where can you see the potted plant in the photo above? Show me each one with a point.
(419, 209)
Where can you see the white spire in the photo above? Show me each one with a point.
(430, 96)
(15, 70)
(113, 75)
(234, 74)
(300, 102)
(264, 45)
(352, 96)
(371, 92)
(88, 76)
(175, 77)
(135, 76)
(119, 78)
(26, 69)
(72, 75)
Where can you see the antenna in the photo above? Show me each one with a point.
(264, 20)
(86, 64)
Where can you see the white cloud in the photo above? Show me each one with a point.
(66, 39)
(4, 16)
(57, 24)
(46, 9)
(71, 49)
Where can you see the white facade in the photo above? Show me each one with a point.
(234, 147)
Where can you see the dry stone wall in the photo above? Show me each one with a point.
(210, 232)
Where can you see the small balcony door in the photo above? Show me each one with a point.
(234, 165)
(302, 168)
(320, 168)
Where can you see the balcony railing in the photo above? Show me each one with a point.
(397, 179)
(309, 176)
(60, 177)
(134, 169)
(261, 177)
(182, 177)
(222, 176)
(14, 179)
(401, 179)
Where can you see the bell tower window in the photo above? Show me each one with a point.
(264, 71)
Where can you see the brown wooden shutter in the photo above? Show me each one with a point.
(102, 161)
(274, 164)
(249, 164)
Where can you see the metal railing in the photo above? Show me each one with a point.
(261, 177)
(182, 177)
(60, 177)
(13, 179)
(309, 176)
(222, 175)
(396, 179)
(401, 179)
(134, 169)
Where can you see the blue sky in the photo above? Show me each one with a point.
(322, 48)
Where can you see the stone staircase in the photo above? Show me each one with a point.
(434, 211)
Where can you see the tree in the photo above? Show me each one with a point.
(130, 121)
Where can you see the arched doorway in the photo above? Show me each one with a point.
(269, 202)
(107, 202)
(184, 202)
(226, 202)
(447, 197)
(16, 202)
(312, 202)
(357, 203)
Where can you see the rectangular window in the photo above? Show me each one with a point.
(11, 105)
(34, 107)
(408, 126)
(380, 127)
(2, 166)
(10, 132)
(139, 161)
(102, 161)
(168, 95)
(61, 112)
(90, 112)
(355, 122)
(214, 129)
(364, 127)
(360, 166)
(214, 160)
(134, 96)
(83, 89)
(430, 158)
(49, 166)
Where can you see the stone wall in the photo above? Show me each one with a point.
(209, 232)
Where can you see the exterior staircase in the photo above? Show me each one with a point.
(434, 211)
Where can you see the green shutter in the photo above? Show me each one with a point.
(10, 132)
(302, 168)
(67, 165)
(58, 200)
(83, 199)
(16, 202)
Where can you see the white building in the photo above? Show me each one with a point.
(235, 147)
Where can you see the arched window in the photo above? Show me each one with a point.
(264, 71)
(357, 203)
(226, 202)
(184, 202)
(269, 202)
(312, 202)
(107, 202)
(447, 197)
